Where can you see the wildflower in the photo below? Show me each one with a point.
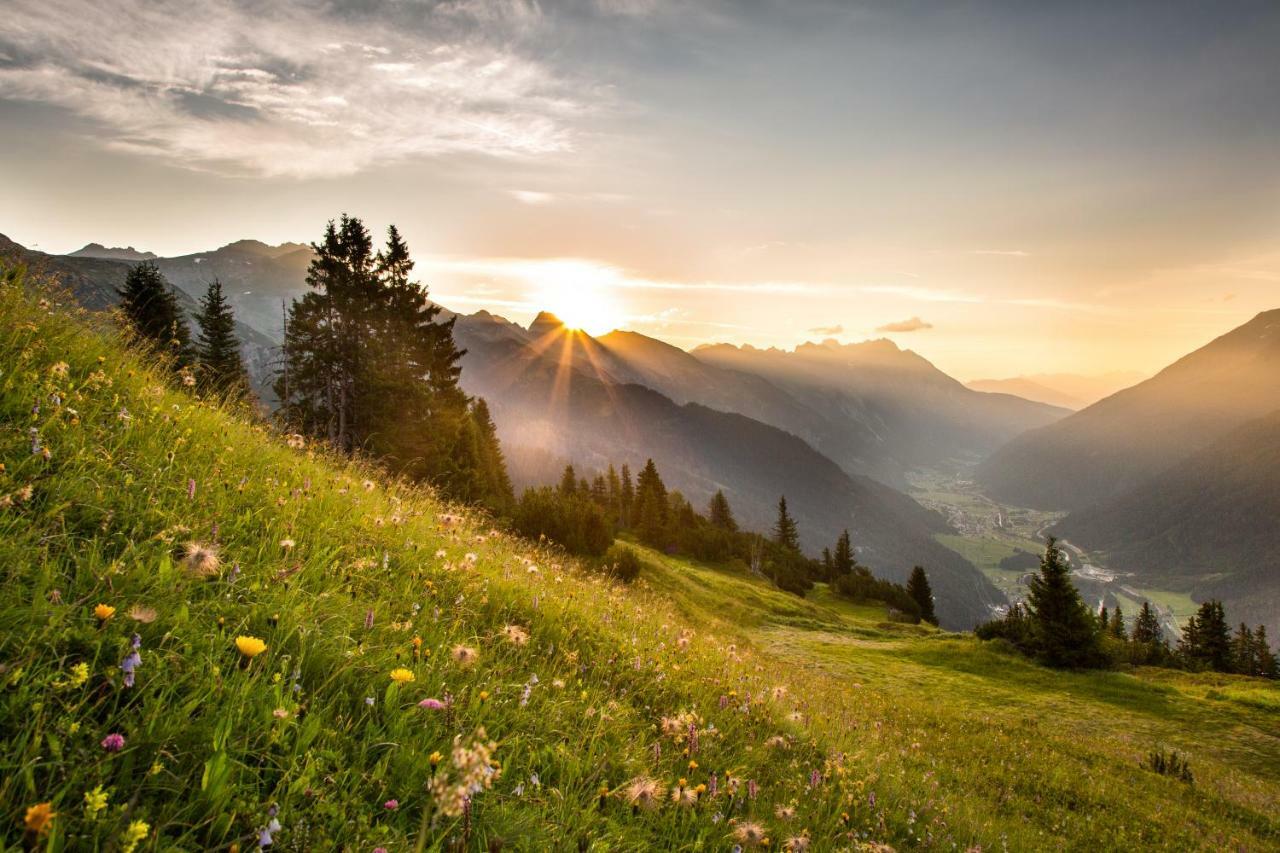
(201, 560)
(435, 758)
(191, 488)
(132, 662)
(94, 802)
(684, 796)
(113, 742)
(644, 794)
(287, 544)
(369, 700)
(391, 805)
(368, 619)
(515, 635)
(368, 485)
(749, 834)
(76, 678)
(250, 647)
(296, 441)
(432, 704)
(141, 613)
(797, 843)
(38, 818)
(784, 812)
(464, 656)
(59, 370)
(400, 675)
(280, 714)
(752, 788)
(104, 612)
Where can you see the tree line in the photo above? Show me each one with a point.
(585, 514)
(1055, 626)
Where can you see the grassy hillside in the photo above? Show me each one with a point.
(814, 720)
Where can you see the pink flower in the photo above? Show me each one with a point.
(391, 805)
(431, 704)
(113, 742)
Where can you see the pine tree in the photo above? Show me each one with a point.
(920, 591)
(1206, 640)
(218, 350)
(1116, 628)
(626, 498)
(842, 561)
(1063, 631)
(568, 481)
(150, 306)
(1146, 628)
(651, 505)
(1104, 620)
(1265, 659)
(719, 513)
(1243, 651)
(495, 490)
(785, 533)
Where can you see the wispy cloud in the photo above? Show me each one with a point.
(291, 87)
(1007, 253)
(914, 324)
(532, 197)
(827, 331)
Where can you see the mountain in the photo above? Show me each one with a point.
(1114, 445)
(1067, 390)
(880, 410)
(1208, 525)
(94, 283)
(97, 250)
(550, 400)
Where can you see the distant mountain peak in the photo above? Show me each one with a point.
(545, 323)
(128, 253)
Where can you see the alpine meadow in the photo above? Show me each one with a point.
(630, 425)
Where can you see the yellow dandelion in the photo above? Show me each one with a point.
(250, 647)
(104, 612)
(400, 675)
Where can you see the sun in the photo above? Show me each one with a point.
(581, 295)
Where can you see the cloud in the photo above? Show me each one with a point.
(532, 197)
(827, 331)
(1007, 253)
(293, 88)
(915, 324)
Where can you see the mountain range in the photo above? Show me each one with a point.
(1066, 390)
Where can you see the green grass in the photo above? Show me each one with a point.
(870, 730)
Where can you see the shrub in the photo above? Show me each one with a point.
(622, 563)
(1170, 763)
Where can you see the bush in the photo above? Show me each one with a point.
(622, 563)
(1170, 763)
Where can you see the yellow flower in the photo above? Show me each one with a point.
(250, 647)
(435, 758)
(135, 833)
(484, 695)
(104, 612)
(400, 675)
(95, 801)
(38, 818)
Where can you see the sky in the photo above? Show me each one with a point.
(1005, 188)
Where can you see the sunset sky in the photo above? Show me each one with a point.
(1006, 188)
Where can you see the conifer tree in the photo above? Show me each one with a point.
(1206, 639)
(1116, 629)
(1063, 631)
(651, 505)
(1104, 619)
(568, 481)
(1146, 628)
(218, 350)
(1244, 651)
(1264, 658)
(842, 561)
(719, 513)
(785, 533)
(626, 498)
(150, 306)
(922, 593)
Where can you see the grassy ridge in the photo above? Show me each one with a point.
(816, 720)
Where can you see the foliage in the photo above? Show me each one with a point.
(922, 594)
(1063, 632)
(1169, 762)
(622, 563)
(151, 310)
(217, 349)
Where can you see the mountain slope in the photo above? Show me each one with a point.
(1068, 390)
(1116, 444)
(95, 282)
(812, 705)
(885, 411)
(1207, 525)
(541, 401)
(1027, 389)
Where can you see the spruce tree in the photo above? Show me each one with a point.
(1243, 651)
(1146, 628)
(651, 505)
(626, 498)
(785, 533)
(922, 594)
(1063, 631)
(719, 513)
(842, 561)
(568, 481)
(1263, 656)
(1116, 629)
(1104, 619)
(1206, 640)
(150, 306)
(218, 350)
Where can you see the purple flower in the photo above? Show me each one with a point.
(391, 805)
(752, 788)
(431, 704)
(871, 799)
(368, 619)
(815, 779)
(713, 785)
(191, 488)
(113, 742)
